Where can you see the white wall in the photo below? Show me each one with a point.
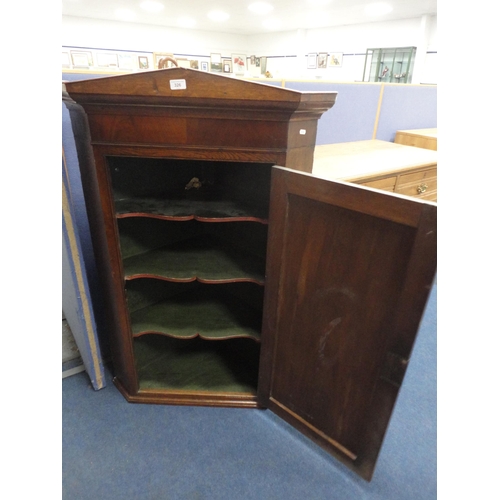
(350, 40)
(91, 33)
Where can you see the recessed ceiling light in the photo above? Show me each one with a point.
(125, 14)
(261, 7)
(218, 15)
(377, 9)
(152, 6)
(186, 22)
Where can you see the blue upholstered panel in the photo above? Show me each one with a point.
(352, 118)
(274, 83)
(72, 77)
(79, 277)
(407, 107)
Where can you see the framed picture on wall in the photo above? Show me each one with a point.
(194, 64)
(322, 60)
(126, 61)
(215, 63)
(312, 61)
(81, 59)
(227, 67)
(204, 65)
(107, 60)
(239, 63)
(263, 65)
(335, 59)
(183, 62)
(143, 62)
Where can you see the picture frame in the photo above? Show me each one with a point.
(239, 63)
(263, 65)
(312, 60)
(257, 62)
(335, 59)
(227, 66)
(183, 63)
(143, 62)
(204, 65)
(252, 60)
(194, 64)
(215, 63)
(81, 59)
(126, 61)
(322, 60)
(107, 60)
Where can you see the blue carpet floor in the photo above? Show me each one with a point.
(113, 450)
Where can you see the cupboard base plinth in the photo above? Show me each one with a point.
(189, 398)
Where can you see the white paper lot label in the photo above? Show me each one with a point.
(178, 84)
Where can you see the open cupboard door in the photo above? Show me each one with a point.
(349, 273)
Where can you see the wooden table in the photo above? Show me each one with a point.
(379, 164)
(420, 138)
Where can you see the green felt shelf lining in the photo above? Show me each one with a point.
(197, 365)
(206, 311)
(170, 208)
(161, 187)
(205, 258)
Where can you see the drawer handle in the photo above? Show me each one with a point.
(422, 188)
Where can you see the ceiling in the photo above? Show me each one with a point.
(287, 15)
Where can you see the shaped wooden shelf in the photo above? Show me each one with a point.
(205, 259)
(205, 209)
(190, 189)
(192, 250)
(182, 311)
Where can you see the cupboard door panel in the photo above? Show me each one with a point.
(349, 272)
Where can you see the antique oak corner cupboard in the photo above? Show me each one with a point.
(234, 279)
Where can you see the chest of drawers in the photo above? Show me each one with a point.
(421, 138)
(382, 165)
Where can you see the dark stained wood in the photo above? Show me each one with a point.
(349, 273)
(216, 399)
(213, 119)
(348, 268)
(176, 210)
(201, 90)
(213, 111)
(112, 275)
(193, 152)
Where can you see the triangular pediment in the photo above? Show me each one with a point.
(172, 85)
